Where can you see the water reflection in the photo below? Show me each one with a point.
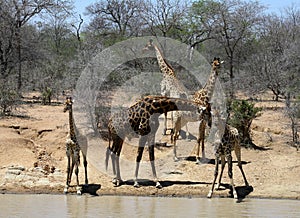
(116, 206)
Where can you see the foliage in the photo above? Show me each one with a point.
(8, 101)
(293, 113)
(46, 96)
(242, 113)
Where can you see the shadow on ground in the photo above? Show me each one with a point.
(91, 189)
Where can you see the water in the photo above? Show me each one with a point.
(121, 206)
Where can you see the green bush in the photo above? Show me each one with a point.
(46, 96)
(242, 113)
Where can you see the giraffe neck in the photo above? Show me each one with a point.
(71, 125)
(210, 84)
(165, 68)
(164, 105)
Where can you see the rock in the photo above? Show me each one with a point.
(14, 172)
(43, 182)
(21, 168)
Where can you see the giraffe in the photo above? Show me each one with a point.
(170, 85)
(73, 149)
(224, 145)
(142, 118)
(181, 119)
(201, 97)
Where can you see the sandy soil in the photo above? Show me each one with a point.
(33, 160)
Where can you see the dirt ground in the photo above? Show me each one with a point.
(33, 159)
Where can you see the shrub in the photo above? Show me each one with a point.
(8, 101)
(242, 113)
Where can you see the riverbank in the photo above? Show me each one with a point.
(33, 160)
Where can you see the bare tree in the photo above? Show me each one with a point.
(164, 17)
(274, 61)
(23, 11)
(293, 113)
(230, 23)
(115, 16)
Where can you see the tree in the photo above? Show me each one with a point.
(293, 113)
(118, 18)
(22, 12)
(242, 114)
(273, 63)
(164, 17)
(230, 23)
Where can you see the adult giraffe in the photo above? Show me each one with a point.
(201, 97)
(170, 85)
(142, 119)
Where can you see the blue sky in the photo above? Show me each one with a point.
(273, 5)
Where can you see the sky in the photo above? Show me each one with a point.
(275, 6)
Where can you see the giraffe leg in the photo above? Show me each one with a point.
(187, 133)
(138, 160)
(152, 161)
(200, 141)
(116, 151)
(78, 188)
(165, 124)
(198, 161)
(237, 150)
(68, 173)
(118, 176)
(113, 162)
(76, 164)
(172, 122)
(215, 176)
(175, 137)
(142, 143)
(202, 145)
(230, 174)
(85, 168)
(222, 170)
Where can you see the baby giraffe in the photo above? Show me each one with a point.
(223, 146)
(73, 149)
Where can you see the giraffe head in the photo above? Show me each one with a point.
(68, 104)
(149, 46)
(216, 64)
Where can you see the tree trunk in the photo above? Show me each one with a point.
(18, 35)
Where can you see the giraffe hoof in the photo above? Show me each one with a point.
(117, 182)
(78, 191)
(65, 190)
(235, 195)
(158, 185)
(136, 184)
